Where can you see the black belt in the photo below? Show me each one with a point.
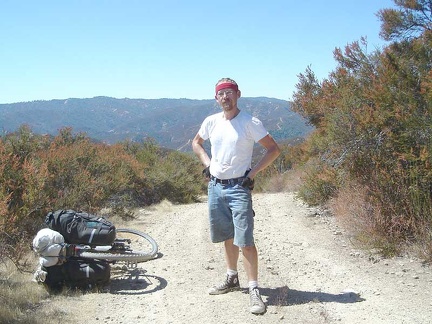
(231, 182)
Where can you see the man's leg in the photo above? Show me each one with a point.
(231, 282)
(250, 261)
(221, 227)
(231, 254)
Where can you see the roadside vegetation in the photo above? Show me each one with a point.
(39, 174)
(370, 156)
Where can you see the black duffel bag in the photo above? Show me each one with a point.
(77, 273)
(81, 228)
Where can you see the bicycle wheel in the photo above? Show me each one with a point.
(142, 248)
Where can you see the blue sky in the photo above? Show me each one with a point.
(173, 49)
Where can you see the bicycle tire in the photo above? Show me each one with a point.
(128, 256)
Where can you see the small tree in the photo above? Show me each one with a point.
(412, 19)
(374, 124)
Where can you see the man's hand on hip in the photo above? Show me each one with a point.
(248, 183)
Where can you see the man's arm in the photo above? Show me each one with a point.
(198, 148)
(272, 152)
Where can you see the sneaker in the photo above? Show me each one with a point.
(231, 283)
(257, 306)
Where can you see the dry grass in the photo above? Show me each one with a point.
(350, 209)
(361, 220)
(293, 179)
(24, 301)
(289, 181)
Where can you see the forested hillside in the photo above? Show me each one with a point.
(171, 122)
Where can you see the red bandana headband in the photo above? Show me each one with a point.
(226, 85)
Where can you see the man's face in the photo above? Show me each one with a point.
(227, 98)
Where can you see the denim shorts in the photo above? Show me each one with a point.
(230, 213)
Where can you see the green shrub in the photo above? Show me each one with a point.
(319, 185)
(374, 126)
(39, 174)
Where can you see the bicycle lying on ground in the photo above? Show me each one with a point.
(80, 254)
(129, 245)
(84, 235)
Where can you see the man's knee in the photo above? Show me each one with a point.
(248, 249)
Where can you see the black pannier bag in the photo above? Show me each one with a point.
(77, 274)
(81, 228)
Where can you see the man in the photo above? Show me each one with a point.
(232, 134)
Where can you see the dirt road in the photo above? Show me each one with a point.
(309, 273)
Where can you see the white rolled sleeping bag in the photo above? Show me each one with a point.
(48, 244)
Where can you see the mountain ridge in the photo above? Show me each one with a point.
(171, 122)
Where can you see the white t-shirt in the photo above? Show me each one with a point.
(232, 143)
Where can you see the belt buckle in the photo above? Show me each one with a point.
(235, 181)
(224, 181)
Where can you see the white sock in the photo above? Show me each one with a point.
(231, 272)
(253, 284)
